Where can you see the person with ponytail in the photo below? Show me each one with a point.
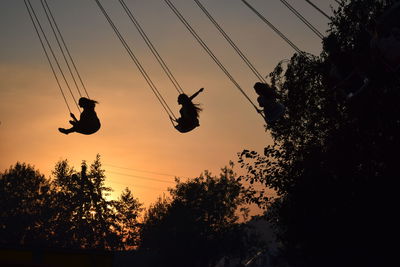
(88, 122)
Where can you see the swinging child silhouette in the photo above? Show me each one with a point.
(189, 113)
(88, 122)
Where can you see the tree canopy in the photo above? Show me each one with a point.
(69, 211)
(333, 157)
(24, 195)
(332, 163)
(198, 224)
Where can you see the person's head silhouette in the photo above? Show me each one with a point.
(87, 103)
(183, 99)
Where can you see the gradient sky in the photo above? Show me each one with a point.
(136, 134)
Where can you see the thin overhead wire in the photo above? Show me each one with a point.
(152, 48)
(37, 25)
(231, 42)
(303, 19)
(137, 186)
(138, 170)
(142, 177)
(51, 21)
(66, 48)
(318, 9)
(209, 52)
(273, 27)
(137, 63)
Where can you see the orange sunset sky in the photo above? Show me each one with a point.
(138, 146)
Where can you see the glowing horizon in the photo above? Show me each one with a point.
(136, 133)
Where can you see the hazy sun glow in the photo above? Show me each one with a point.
(138, 146)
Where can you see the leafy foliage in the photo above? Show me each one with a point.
(128, 209)
(70, 211)
(332, 160)
(198, 224)
(80, 201)
(24, 194)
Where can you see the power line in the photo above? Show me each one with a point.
(139, 186)
(141, 177)
(138, 170)
(208, 50)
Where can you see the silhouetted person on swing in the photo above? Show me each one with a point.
(189, 113)
(267, 100)
(88, 123)
(388, 47)
(350, 71)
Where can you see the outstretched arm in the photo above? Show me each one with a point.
(195, 94)
(73, 117)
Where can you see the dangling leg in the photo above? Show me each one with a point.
(66, 131)
(71, 130)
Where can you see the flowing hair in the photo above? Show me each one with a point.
(196, 108)
(189, 105)
(86, 102)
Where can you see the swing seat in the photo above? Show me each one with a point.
(88, 128)
(185, 126)
(352, 85)
(352, 94)
(274, 112)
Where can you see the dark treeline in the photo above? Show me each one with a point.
(69, 211)
(333, 165)
(197, 224)
(334, 160)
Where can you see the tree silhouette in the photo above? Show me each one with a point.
(128, 209)
(333, 160)
(24, 194)
(198, 225)
(70, 211)
(83, 217)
